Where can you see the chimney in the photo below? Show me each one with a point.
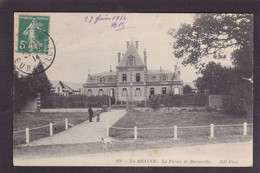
(88, 72)
(179, 71)
(119, 57)
(136, 44)
(127, 44)
(145, 58)
(110, 69)
(160, 68)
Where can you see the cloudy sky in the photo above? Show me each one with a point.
(83, 45)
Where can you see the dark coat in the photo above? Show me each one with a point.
(90, 111)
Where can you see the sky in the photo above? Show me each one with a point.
(83, 45)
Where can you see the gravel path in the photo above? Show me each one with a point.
(83, 133)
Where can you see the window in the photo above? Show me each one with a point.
(137, 77)
(100, 92)
(58, 89)
(110, 79)
(124, 77)
(154, 78)
(163, 78)
(163, 90)
(89, 93)
(176, 91)
(100, 80)
(138, 92)
(124, 92)
(130, 61)
(151, 91)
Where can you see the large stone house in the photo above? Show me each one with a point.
(132, 81)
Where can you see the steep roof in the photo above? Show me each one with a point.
(131, 51)
(74, 86)
(54, 83)
(158, 72)
(67, 86)
(109, 73)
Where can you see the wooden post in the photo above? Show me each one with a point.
(51, 129)
(211, 130)
(27, 135)
(107, 128)
(135, 132)
(175, 132)
(66, 124)
(245, 128)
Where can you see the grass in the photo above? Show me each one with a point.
(32, 120)
(147, 139)
(181, 119)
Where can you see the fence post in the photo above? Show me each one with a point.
(66, 124)
(51, 129)
(245, 128)
(135, 132)
(175, 132)
(107, 128)
(211, 130)
(27, 135)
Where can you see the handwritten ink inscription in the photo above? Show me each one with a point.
(118, 22)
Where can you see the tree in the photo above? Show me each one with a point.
(187, 89)
(27, 87)
(40, 82)
(220, 36)
(215, 78)
(215, 35)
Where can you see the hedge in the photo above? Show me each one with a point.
(74, 101)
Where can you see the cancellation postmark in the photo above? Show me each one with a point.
(33, 44)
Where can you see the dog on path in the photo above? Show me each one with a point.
(106, 141)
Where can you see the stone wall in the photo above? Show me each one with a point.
(216, 101)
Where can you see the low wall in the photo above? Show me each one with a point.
(216, 101)
(69, 110)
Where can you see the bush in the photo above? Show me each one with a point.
(140, 104)
(155, 102)
(240, 101)
(210, 109)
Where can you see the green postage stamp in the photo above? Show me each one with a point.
(31, 34)
(33, 44)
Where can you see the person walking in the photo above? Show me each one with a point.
(90, 112)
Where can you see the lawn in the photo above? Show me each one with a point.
(182, 119)
(32, 120)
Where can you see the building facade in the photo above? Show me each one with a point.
(132, 81)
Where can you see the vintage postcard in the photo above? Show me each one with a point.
(133, 89)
